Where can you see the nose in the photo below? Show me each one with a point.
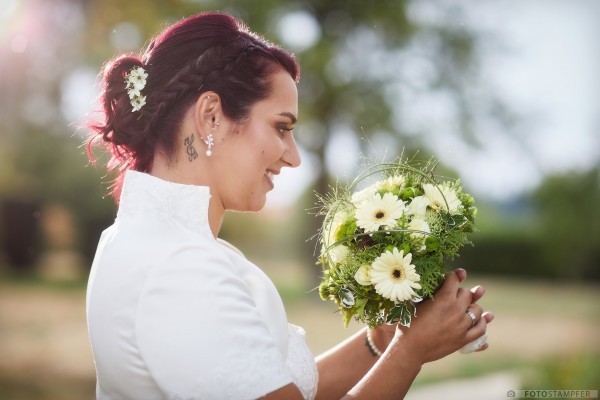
(291, 155)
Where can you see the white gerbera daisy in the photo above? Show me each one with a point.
(362, 275)
(379, 211)
(437, 200)
(394, 276)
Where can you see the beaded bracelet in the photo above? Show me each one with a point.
(371, 345)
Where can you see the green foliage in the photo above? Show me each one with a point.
(569, 223)
(552, 234)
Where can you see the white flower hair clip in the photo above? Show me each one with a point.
(135, 81)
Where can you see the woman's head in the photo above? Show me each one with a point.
(208, 52)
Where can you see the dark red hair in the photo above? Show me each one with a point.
(205, 52)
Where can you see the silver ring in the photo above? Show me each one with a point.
(473, 317)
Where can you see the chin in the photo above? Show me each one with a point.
(257, 207)
(254, 205)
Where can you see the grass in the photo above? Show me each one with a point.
(545, 332)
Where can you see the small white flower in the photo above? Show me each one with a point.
(138, 103)
(422, 226)
(391, 183)
(133, 93)
(437, 200)
(365, 194)
(362, 275)
(418, 206)
(339, 254)
(394, 276)
(379, 211)
(135, 81)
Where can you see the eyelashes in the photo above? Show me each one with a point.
(284, 129)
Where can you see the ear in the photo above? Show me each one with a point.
(208, 113)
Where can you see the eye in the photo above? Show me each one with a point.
(282, 129)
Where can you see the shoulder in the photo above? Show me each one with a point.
(198, 327)
(231, 247)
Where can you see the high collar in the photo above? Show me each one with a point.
(147, 196)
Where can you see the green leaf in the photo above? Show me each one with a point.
(431, 243)
(347, 297)
(406, 247)
(360, 306)
(408, 193)
(454, 220)
(395, 313)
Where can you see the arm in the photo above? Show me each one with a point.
(440, 328)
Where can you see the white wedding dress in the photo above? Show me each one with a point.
(175, 314)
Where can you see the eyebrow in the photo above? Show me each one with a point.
(289, 115)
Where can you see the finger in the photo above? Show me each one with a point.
(478, 292)
(488, 316)
(461, 274)
(450, 284)
(476, 331)
(464, 296)
(473, 314)
(484, 347)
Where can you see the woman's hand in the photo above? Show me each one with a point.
(442, 325)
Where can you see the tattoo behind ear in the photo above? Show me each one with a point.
(190, 149)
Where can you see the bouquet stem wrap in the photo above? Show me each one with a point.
(384, 247)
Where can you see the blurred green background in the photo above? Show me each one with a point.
(502, 93)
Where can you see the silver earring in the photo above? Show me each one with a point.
(210, 141)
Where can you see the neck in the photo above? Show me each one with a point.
(215, 215)
(216, 211)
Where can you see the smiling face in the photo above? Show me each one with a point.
(245, 160)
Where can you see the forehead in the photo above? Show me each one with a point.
(283, 99)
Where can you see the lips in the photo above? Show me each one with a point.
(270, 175)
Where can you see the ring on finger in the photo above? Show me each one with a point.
(473, 317)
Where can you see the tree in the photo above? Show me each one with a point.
(369, 64)
(569, 223)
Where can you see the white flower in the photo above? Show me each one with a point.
(138, 103)
(419, 225)
(394, 276)
(379, 211)
(133, 93)
(392, 183)
(339, 254)
(137, 77)
(432, 192)
(334, 227)
(418, 206)
(135, 81)
(362, 275)
(365, 194)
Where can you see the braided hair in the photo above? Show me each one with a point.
(205, 52)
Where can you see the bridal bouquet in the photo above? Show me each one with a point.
(383, 248)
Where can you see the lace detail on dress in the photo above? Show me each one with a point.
(301, 363)
(144, 194)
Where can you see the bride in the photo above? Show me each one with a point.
(201, 123)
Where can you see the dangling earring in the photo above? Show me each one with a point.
(210, 141)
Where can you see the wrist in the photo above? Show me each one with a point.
(401, 347)
(372, 346)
